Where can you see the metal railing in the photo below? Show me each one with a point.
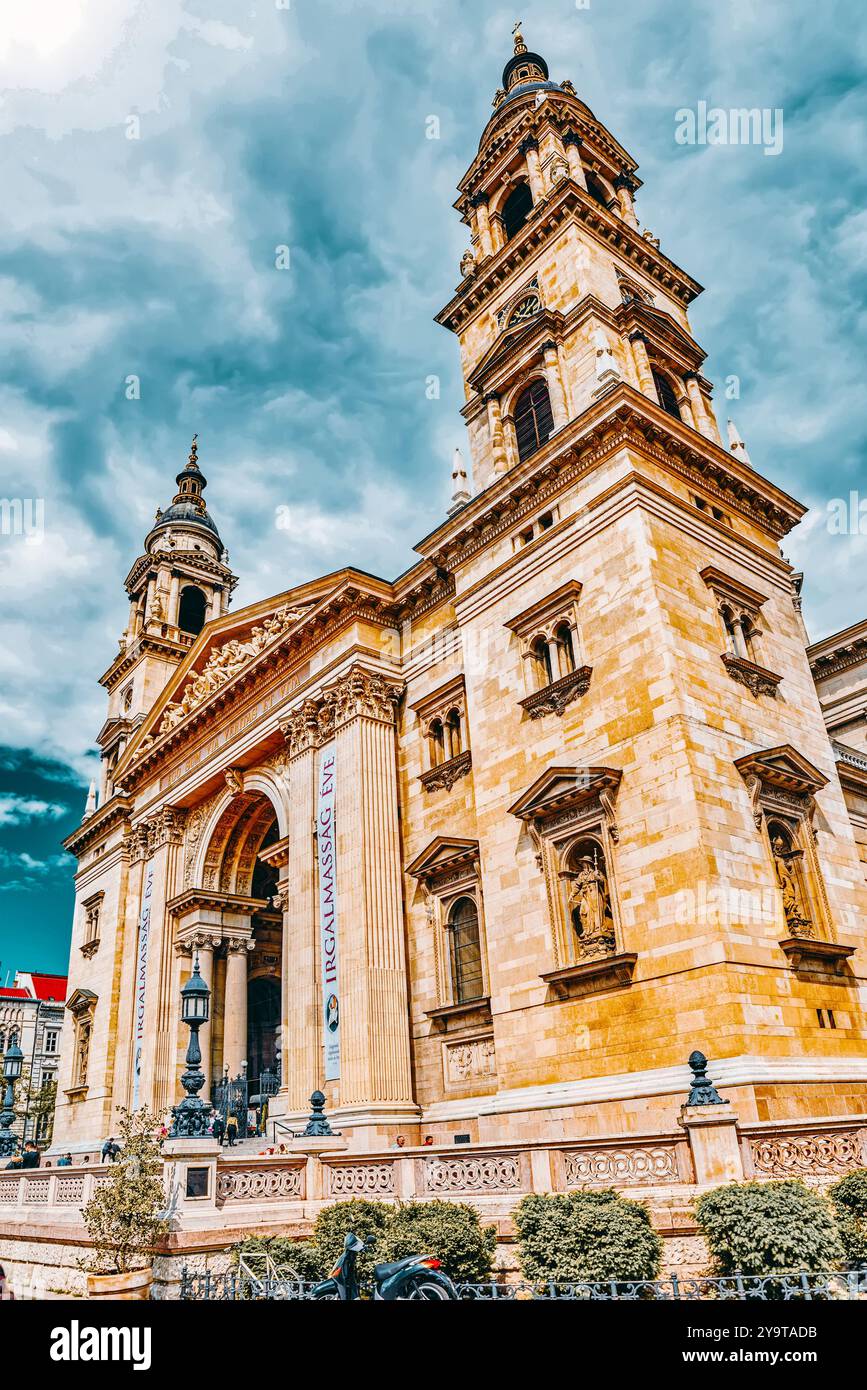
(238, 1285)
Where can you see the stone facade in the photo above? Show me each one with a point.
(589, 815)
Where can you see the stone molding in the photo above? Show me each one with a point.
(556, 697)
(444, 775)
(358, 694)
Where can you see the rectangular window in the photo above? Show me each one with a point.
(51, 1036)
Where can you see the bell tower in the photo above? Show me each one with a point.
(563, 296)
(180, 583)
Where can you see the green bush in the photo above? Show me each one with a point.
(849, 1202)
(763, 1228)
(446, 1229)
(364, 1219)
(449, 1230)
(586, 1236)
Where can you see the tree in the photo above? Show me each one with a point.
(763, 1228)
(586, 1237)
(124, 1218)
(849, 1203)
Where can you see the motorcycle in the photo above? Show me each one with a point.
(418, 1277)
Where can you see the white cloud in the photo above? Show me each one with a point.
(19, 810)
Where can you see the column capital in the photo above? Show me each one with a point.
(572, 138)
(527, 144)
(236, 945)
(359, 693)
(491, 398)
(549, 346)
(479, 200)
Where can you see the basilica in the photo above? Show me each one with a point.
(485, 851)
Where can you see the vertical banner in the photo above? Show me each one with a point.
(141, 977)
(328, 909)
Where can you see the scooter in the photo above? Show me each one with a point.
(418, 1277)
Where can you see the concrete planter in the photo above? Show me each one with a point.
(136, 1283)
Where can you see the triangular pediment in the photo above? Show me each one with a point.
(562, 787)
(509, 342)
(442, 854)
(782, 767)
(226, 650)
(81, 1001)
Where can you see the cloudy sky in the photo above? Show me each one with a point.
(155, 154)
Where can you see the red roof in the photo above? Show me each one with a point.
(14, 994)
(49, 987)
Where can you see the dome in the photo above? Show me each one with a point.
(187, 514)
(524, 88)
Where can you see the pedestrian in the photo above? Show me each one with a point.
(232, 1129)
(252, 1120)
(110, 1150)
(65, 1161)
(30, 1158)
(219, 1129)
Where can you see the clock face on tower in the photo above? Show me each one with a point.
(527, 308)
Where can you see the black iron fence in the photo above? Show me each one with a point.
(851, 1284)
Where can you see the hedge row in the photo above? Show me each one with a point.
(755, 1228)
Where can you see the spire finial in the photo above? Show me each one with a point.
(194, 452)
(520, 46)
(736, 443)
(461, 494)
(90, 807)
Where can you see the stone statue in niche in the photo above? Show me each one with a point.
(788, 877)
(589, 906)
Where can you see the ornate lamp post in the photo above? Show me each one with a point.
(192, 1115)
(12, 1064)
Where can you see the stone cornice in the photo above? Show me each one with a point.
(111, 814)
(189, 560)
(147, 643)
(212, 901)
(566, 201)
(359, 693)
(839, 651)
(623, 418)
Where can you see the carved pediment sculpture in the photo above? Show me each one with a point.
(226, 662)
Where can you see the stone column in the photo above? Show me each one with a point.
(529, 148)
(704, 421)
(483, 224)
(712, 1131)
(375, 1079)
(174, 599)
(495, 425)
(624, 187)
(642, 366)
(572, 145)
(554, 378)
(235, 1024)
(162, 1004)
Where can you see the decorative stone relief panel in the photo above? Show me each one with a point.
(491, 1173)
(361, 1180)
(469, 1060)
(621, 1167)
(824, 1153)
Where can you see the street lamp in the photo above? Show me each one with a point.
(12, 1064)
(191, 1116)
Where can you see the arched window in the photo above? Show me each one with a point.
(739, 632)
(453, 733)
(465, 950)
(534, 421)
(191, 616)
(517, 209)
(667, 396)
(595, 189)
(436, 743)
(542, 668)
(565, 649)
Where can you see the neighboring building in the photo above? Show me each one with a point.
(562, 792)
(32, 1014)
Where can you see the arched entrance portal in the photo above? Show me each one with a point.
(246, 967)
